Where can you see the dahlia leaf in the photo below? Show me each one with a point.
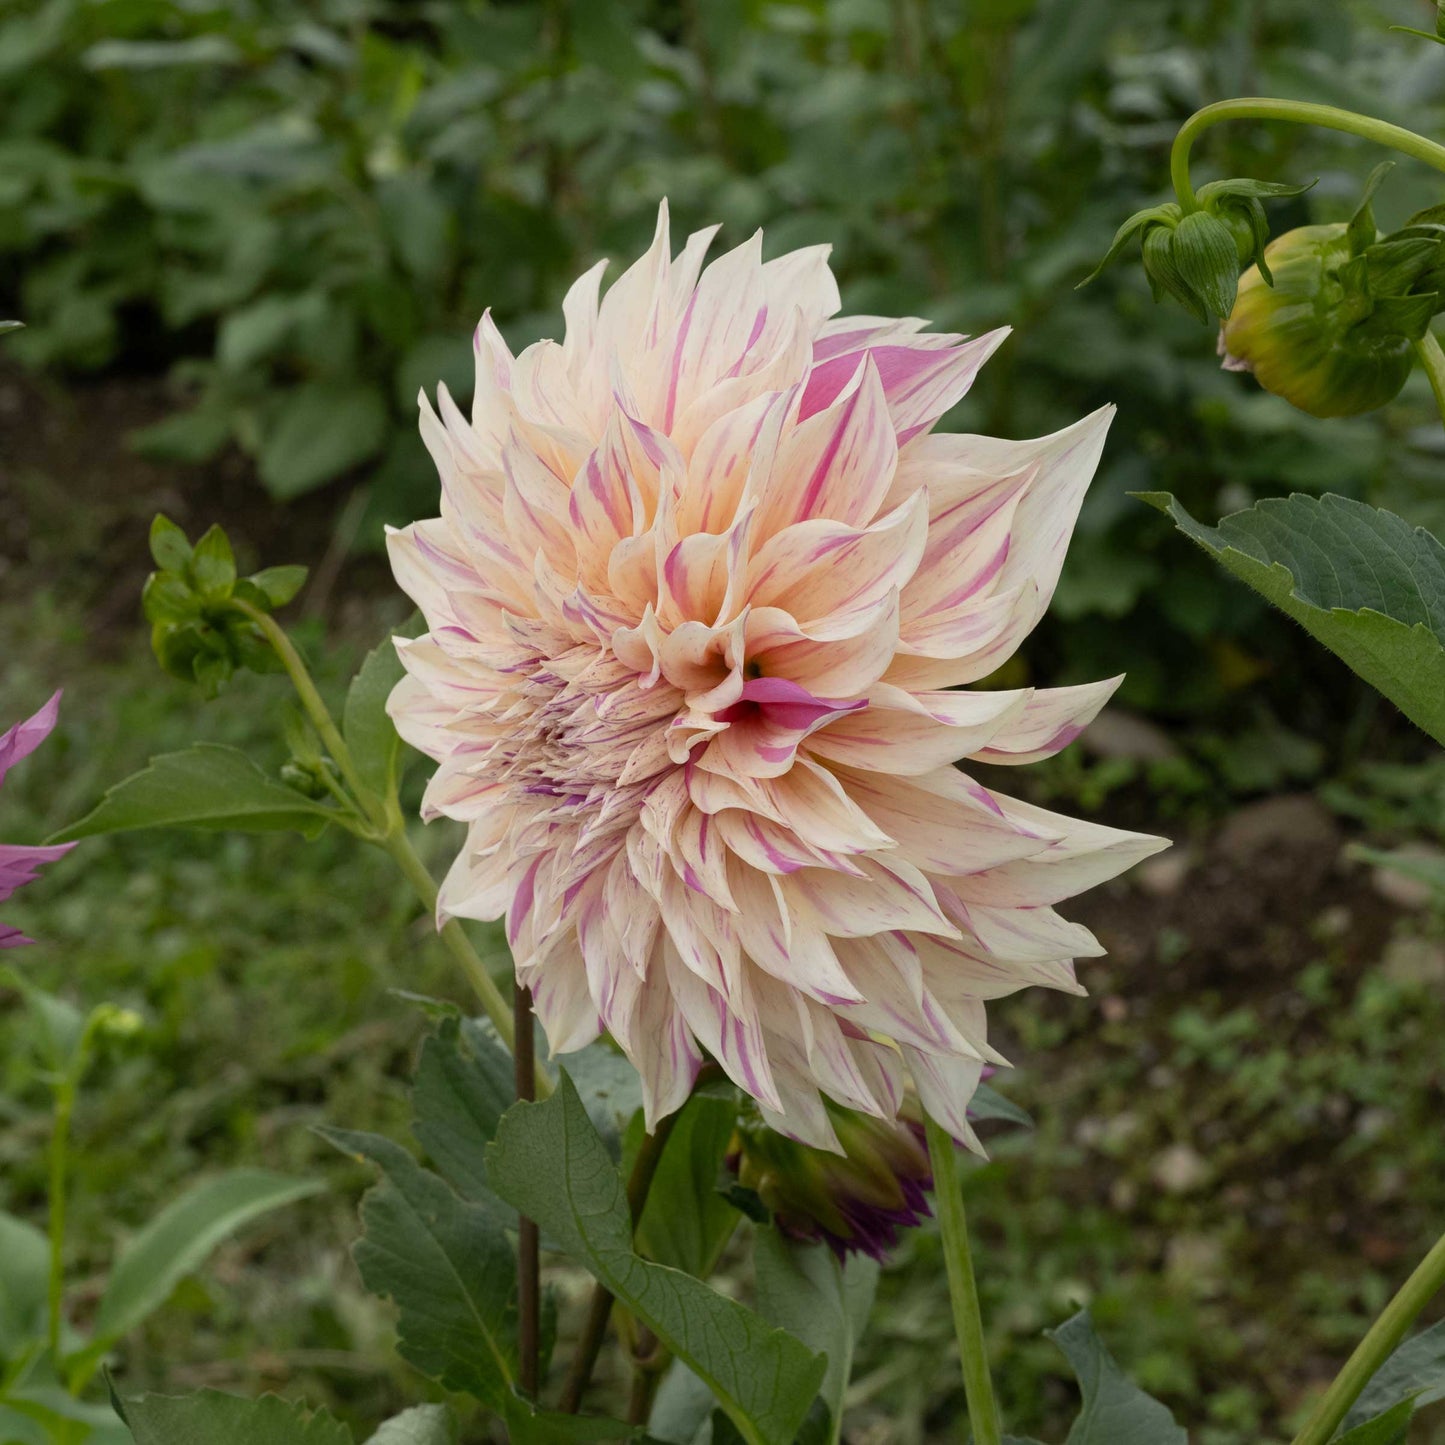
(370, 734)
(421, 1425)
(1115, 1410)
(609, 1088)
(206, 786)
(687, 1223)
(803, 1288)
(988, 1103)
(1359, 579)
(464, 1084)
(1391, 1428)
(448, 1266)
(221, 1419)
(549, 1161)
(1415, 1372)
(179, 1238)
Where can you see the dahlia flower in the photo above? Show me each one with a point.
(702, 583)
(20, 865)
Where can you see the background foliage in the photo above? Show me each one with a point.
(283, 217)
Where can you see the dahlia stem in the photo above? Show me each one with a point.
(529, 1289)
(983, 1416)
(388, 830)
(1372, 1351)
(599, 1311)
(59, 1144)
(1432, 358)
(1302, 112)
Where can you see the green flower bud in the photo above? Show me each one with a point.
(1333, 336)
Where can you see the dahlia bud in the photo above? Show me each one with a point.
(854, 1201)
(1334, 333)
(1197, 257)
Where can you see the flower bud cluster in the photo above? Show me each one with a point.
(195, 603)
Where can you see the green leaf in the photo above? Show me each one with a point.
(24, 1270)
(803, 1288)
(1166, 216)
(464, 1084)
(1391, 1428)
(609, 1088)
(219, 1419)
(158, 54)
(11, 326)
(421, 1425)
(1362, 229)
(370, 734)
(180, 1237)
(321, 430)
(1415, 1371)
(59, 1025)
(1252, 190)
(1115, 1410)
(170, 546)
(1360, 580)
(549, 1161)
(206, 786)
(188, 436)
(279, 584)
(447, 1265)
(686, 1222)
(988, 1103)
(213, 565)
(1428, 869)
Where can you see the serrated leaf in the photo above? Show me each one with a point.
(548, 1161)
(370, 734)
(322, 430)
(178, 1240)
(988, 1103)
(1415, 1371)
(686, 1222)
(1115, 1410)
(1360, 580)
(447, 1265)
(220, 1419)
(206, 786)
(803, 1288)
(170, 546)
(421, 1425)
(464, 1084)
(1391, 1428)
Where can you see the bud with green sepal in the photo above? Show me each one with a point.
(1334, 334)
(198, 632)
(1196, 256)
(854, 1201)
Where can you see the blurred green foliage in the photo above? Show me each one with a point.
(300, 208)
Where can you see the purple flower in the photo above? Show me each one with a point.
(19, 864)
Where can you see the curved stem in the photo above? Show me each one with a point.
(1302, 112)
(1432, 358)
(594, 1332)
(1383, 1336)
(983, 1414)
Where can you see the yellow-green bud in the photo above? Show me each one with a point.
(1309, 338)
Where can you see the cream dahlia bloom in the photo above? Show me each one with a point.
(700, 587)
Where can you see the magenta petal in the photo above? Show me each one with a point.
(25, 737)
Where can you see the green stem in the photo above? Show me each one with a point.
(1303, 112)
(1432, 358)
(983, 1413)
(1379, 1343)
(389, 830)
(497, 1008)
(372, 807)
